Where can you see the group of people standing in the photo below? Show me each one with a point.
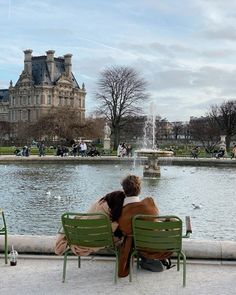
(83, 150)
(120, 206)
(124, 150)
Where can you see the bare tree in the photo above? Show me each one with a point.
(93, 128)
(224, 116)
(5, 130)
(62, 123)
(120, 92)
(205, 131)
(177, 128)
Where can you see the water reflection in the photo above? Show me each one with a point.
(34, 196)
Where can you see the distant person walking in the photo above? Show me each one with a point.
(119, 150)
(195, 152)
(74, 149)
(83, 148)
(129, 151)
(41, 147)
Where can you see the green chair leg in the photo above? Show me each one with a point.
(79, 262)
(64, 267)
(184, 269)
(3, 231)
(6, 248)
(178, 262)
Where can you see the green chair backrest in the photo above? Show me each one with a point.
(157, 233)
(3, 226)
(88, 230)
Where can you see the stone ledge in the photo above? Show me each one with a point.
(197, 249)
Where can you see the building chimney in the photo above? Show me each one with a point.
(68, 65)
(28, 61)
(50, 63)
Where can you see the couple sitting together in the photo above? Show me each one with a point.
(120, 206)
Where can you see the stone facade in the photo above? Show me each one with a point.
(46, 82)
(4, 104)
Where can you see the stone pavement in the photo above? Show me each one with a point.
(42, 275)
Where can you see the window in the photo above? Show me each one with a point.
(37, 114)
(49, 99)
(60, 101)
(28, 100)
(37, 99)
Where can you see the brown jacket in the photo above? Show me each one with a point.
(146, 206)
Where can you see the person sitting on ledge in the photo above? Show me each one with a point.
(220, 154)
(131, 207)
(111, 204)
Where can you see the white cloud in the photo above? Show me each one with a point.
(185, 49)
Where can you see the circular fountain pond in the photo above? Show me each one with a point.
(34, 196)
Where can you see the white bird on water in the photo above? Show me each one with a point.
(196, 206)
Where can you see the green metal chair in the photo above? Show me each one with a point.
(3, 232)
(158, 234)
(94, 231)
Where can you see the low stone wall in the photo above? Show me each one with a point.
(178, 161)
(197, 249)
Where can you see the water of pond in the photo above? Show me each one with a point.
(34, 196)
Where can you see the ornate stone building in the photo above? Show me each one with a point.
(46, 82)
(4, 104)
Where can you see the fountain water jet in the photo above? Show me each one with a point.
(151, 167)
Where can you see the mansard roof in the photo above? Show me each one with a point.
(40, 73)
(4, 95)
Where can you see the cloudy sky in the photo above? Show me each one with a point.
(185, 49)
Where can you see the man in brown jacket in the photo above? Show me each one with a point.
(131, 207)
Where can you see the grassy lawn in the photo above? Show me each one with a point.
(4, 150)
(180, 151)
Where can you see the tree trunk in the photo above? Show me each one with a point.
(116, 133)
(227, 142)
